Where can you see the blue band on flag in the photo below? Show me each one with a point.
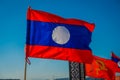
(40, 33)
(115, 59)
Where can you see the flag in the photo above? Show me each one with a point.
(53, 37)
(116, 59)
(101, 68)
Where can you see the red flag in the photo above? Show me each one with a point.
(53, 37)
(101, 68)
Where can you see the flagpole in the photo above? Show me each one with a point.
(25, 70)
(25, 63)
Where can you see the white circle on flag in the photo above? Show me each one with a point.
(118, 63)
(60, 35)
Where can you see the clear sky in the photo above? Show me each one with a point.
(106, 36)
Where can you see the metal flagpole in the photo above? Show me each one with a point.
(76, 71)
(25, 70)
(25, 65)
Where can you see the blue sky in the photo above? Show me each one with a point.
(106, 36)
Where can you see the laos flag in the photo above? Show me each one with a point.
(116, 59)
(52, 37)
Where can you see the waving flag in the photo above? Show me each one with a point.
(116, 59)
(53, 37)
(101, 68)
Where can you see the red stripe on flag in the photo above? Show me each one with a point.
(48, 17)
(58, 53)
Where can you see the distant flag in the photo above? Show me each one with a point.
(116, 59)
(101, 68)
(53, 37)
